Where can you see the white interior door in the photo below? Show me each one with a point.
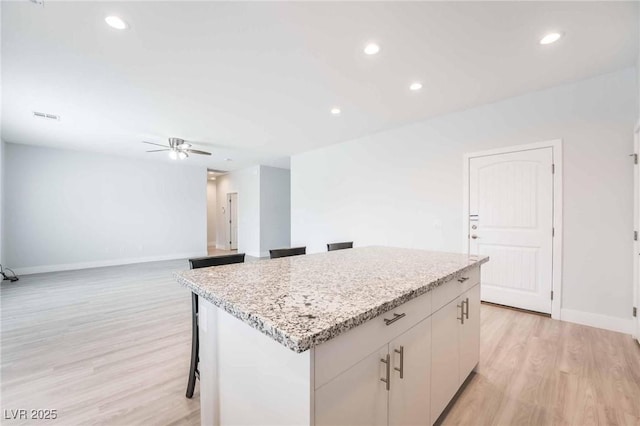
(511, 220)
(232, 207)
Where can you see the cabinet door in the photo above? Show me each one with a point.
(445, 356)
(357, 396)
(409, 397)
(470, 332)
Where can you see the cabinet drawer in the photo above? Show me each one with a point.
(453, 288)
(338, 354)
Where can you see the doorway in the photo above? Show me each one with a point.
(512, 203)
(232, 208)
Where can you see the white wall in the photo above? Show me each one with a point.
(212, 210)
(246, 183)
(275, 208)
(404, 187)
(1, 161)
(68, 209)
(264, 214)
(2, 170)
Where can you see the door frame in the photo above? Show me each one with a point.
(228, 219)
(556, 262)
(636, 227)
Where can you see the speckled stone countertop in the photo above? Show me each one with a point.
(302, 301)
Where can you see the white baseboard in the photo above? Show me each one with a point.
(211, 244)
(622, 325)
(101, 263)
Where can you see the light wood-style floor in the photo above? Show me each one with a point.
(538, 371)
(111, 346)
(103, 346)
(212, 251)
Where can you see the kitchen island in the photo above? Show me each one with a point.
(372, 335)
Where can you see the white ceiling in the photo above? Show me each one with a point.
(257, 80)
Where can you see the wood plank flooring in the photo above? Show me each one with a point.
(102, 346)
(110, 346)
(538, 371)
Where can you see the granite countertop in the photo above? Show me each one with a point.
(302, 301)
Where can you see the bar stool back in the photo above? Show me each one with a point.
(203, 262)
(286, 252)
(339, 246)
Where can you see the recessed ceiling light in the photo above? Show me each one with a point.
(116, 22)
(415, 86)
(371, 49)
(550, 38)
(335, 111)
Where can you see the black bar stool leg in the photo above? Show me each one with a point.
(195, 346)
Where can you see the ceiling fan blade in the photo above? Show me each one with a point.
(153, 143)
(159, 150)
(195, 151)
(211, 144)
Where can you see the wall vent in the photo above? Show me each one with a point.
(44, 115)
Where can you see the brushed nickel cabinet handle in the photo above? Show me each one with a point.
(461, 317)
(462, 279)
(466, 311)
(386, 380)
(401, 369)
(395, 318)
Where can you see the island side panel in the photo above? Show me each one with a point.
(249, 378)
(208, 364)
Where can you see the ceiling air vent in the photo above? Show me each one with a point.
(46, 116)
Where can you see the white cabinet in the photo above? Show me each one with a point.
(445, 356)
(409, 393)
(360, 395)
(455, 347)
(355, 397)
(470, 332)
(421, 360)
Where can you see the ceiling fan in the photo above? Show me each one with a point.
(178, 149)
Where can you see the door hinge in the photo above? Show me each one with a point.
(551, 294)
(553, 232)
(635, 158)
(553, 168)
(635, 235)
(635, 311)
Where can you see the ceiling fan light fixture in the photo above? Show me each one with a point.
(177, 149)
